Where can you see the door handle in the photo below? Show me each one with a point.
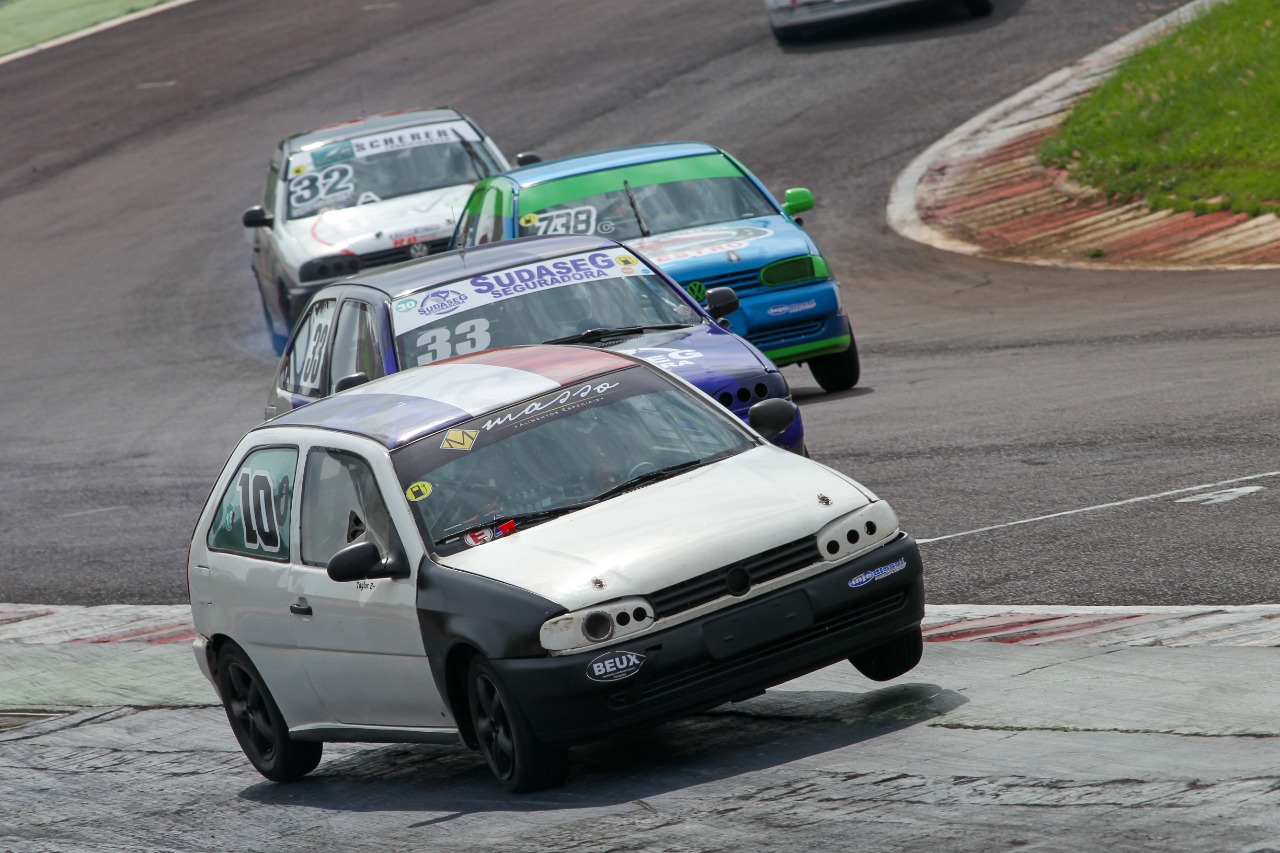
(300, 609)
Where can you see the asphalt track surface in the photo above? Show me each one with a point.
(134, 353)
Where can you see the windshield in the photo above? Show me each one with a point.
(370, 169)
(630, 212)
(533, 303)
(561, 450)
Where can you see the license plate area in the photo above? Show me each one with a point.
(758, 624)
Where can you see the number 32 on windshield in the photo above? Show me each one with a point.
(466, 337)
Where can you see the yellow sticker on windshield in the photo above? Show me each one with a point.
(626, 261)
(529, 220)
(417, 491)
(299, 169)
(459, 439)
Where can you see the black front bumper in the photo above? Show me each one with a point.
(710, 660)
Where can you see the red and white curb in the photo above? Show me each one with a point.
(981, 190)
(1030, 625)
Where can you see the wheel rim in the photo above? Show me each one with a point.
(493, 728)
(248, 706)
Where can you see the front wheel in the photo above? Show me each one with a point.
(839, 371)
(979, 8)
(507, 742)
(889, 660)
(257, 722)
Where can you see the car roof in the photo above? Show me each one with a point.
(553, 170)
(413, 403)
(369, 124)
(435, 270)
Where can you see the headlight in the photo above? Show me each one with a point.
(331, 266)
(792, 270)
(858, 532)
(596, 624)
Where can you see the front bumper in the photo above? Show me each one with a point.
(706, 662)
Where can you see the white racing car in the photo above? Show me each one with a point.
(359, 194)
(527, 548)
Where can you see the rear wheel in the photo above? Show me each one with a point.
(839, 371)
(257, 722)
(889, 660)
(979, 8)
(507, 743)
(787, 35)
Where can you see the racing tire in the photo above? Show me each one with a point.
(839, 371)
(507, 742)
(786, 36)
(257, 722)
(889, 660)
(979, 8)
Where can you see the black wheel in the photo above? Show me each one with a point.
(507, 742)
(257, 722)
(787, 35)
(891, 659)
(979, 8)
(839, 371)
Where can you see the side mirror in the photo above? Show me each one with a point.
(797, 200)
(527, 158)
(354, 562)
(256, 217)
(350, 381)
(770, 417)
(721, 301)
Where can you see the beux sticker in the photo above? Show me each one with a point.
(418, 491)
(459, 439)
(614, 666)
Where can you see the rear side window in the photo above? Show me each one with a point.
(255, 514)
(302, 370)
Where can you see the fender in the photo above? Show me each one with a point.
(456, 608)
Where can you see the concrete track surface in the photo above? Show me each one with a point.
(1060, 438)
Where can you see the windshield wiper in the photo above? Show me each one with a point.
(518, 518)
(592, 336)
(644, 229)
(649, 477)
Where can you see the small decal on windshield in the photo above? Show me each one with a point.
(528, 220)
(406, 305)
(478, 537)
(441, 302)
(459, 439)
(418, 491)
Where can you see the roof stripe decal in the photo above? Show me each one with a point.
(563, 365)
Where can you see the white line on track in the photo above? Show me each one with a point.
(91, 511)
(1125, 502)
(88, 31)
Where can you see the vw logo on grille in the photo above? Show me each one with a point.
(419, 250)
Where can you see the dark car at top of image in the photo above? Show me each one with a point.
(358, 194)
(706, 220)
(794, 20)
(563, 290)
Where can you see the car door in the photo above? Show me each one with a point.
(360, 641)
(302, 376)
(355, 349)
(264, 262)
(251, 542)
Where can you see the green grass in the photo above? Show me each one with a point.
(1191, 122)
(25, 23)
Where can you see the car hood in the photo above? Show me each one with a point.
(395, 222)
(670, 531)
(711, 250)
(710, 359)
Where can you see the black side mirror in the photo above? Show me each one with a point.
(721, 301)
(256, 217)
(527, 158)
(354, 562)
(770, 417)
(350, 381)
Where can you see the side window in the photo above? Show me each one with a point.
(254, 516)
(340, 505)
(355, 343)
(273, 180)
(489, 222)
(302, 368)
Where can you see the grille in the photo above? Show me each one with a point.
(764, 566)
(401, 253)
(786, 333)
(851, 620)
(743, 282)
